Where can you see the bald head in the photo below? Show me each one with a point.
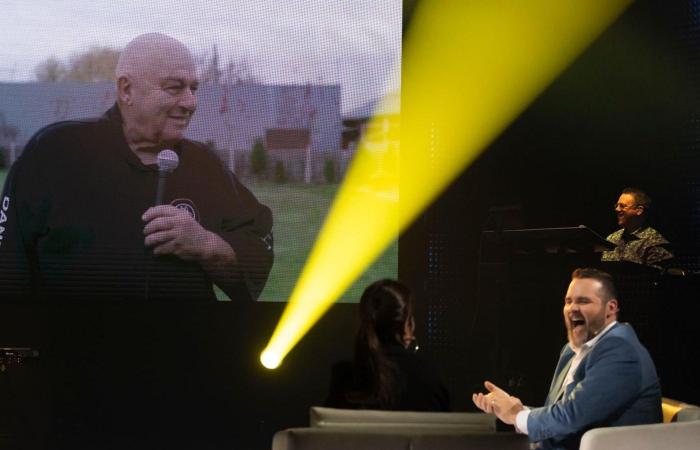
(148, 51)
(156, 85)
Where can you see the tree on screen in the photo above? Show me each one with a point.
(95, 64)
(50, 70)
(258, 158)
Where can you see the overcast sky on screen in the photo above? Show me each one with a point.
(356, 43)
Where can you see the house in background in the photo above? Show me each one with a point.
(377, 126)
(235, 116)
(229, 117)
(358, 124)
(290, 149)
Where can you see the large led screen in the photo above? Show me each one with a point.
(285, 93)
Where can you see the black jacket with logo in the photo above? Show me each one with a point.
(71, 212)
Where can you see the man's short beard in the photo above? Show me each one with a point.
(596, 325)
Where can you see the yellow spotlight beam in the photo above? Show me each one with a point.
(470, 67)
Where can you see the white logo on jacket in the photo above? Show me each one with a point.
(187, 205)
(3, 215)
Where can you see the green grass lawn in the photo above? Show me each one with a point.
(299, 211)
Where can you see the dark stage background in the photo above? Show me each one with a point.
(626, 113)
(160, 375)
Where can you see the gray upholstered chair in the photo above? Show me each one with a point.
(339, 429)
(353, 419)
(681, 431)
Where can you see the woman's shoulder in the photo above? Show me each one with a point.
(422, 387)
(406, 359)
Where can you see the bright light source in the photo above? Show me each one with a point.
(270, 360)
(469, 69)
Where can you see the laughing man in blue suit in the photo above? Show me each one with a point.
(605, 377)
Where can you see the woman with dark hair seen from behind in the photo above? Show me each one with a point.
(386, 373)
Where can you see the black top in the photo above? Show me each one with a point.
(71, 212)
(420, 388)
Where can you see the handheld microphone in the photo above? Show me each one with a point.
(167, 163)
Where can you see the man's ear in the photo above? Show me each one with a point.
(124, 89)
(612, 307)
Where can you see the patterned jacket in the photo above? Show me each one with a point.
(644, 246)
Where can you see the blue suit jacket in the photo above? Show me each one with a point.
(615, 384)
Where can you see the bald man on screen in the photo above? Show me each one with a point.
(80, 202)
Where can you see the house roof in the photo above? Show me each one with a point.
(387, 105)
(286, 138)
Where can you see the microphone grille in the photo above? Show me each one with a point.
(167, 160)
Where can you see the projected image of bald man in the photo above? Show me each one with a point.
(123, 206)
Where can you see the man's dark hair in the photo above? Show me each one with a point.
(607, 288)
(640, 197)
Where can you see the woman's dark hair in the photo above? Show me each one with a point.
(385, 307)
